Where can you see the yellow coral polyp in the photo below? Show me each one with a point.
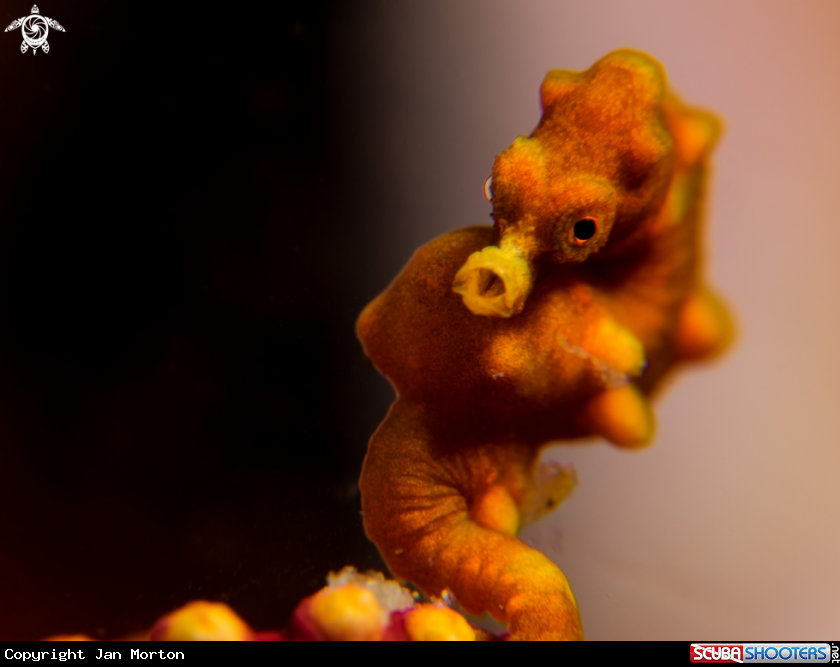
(434, 623)
(348, 613)
(558, 323)
(202, 621)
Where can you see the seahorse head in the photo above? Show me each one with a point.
(588, 180)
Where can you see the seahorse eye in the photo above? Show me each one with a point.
(488, 189)
(584, 230)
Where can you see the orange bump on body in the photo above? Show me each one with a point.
(705, 328)
(559, 322)
(622, 416)
(496, 510)
(611, 343)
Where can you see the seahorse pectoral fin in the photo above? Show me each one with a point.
(622, 415)
(553, 483)
(704, 328)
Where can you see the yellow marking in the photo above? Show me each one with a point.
(493, 282)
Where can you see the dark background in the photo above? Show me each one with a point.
(184, 406)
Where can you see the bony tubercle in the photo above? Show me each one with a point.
(559, 322)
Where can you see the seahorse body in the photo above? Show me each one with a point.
(558, 322)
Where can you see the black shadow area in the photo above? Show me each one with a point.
(184, 406)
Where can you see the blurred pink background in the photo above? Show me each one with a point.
(726, 528)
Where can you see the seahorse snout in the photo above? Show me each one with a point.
(494, 282)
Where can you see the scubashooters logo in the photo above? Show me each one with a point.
(35, 29)
(798, 652)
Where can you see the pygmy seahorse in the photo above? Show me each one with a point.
(558, 322)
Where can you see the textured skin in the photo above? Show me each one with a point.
(596, 325)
